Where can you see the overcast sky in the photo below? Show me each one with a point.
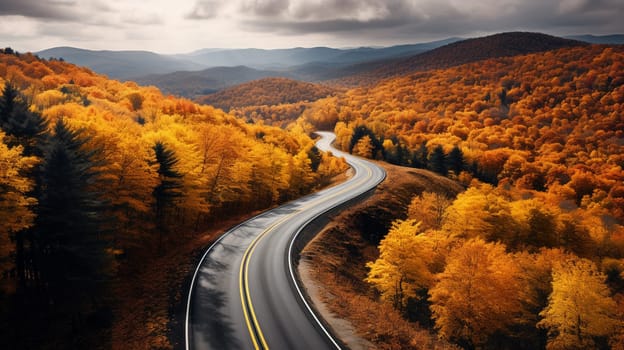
(179, 26)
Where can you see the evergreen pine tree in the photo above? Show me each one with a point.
(361, 131)
(22, 126)
(73, 248)
(168, 189)
(419, 157)
(437, 161)
(455, 160)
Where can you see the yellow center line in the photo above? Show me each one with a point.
(244, 288)
(240, 288)
(244, 275)
(244, 268)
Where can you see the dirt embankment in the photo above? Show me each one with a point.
(333, 265)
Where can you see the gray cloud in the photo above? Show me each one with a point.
(204, 9)
(408, 18)
(265, 8)
(58, 10)
(330, 26)
(353, 9)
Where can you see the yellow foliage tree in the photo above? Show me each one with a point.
(478, 294)
(15, 204)
(404, 263)
(477, 212)
(429, 208)
(364, 147)
(580, 308)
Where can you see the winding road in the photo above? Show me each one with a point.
(245, 294)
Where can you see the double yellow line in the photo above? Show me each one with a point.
(257, 337)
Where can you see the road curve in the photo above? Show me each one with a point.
(244, 294)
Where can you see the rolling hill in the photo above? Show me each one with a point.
(268, 91)
(100, 147)
(122, 65)
(532, 135)
(258, 100)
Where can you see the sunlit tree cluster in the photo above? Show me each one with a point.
(495, 267)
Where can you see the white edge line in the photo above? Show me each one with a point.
(290, 263)
(199, 265)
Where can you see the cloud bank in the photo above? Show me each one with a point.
(184, 25)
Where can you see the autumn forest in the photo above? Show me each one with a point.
(100, 177)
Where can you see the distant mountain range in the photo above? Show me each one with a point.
(208, 70)
(367, 73)
(614, 39)
(464, 51)
(282, 58)
(122, 65)
(132, 65)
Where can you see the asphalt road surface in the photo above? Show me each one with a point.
(244, 294)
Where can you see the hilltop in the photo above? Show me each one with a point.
(533, 111)
(268, 91)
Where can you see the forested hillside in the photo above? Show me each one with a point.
(271, 101)
(268, 91)
(531, 255)
(99, 176)
(548, 122)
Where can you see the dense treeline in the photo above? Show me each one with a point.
(96, 175)
(532, 254)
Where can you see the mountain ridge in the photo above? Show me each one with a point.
(465, 51)
(208, 70)
(134, 64)
(197, 83)
(122, 65)
(609, 39)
